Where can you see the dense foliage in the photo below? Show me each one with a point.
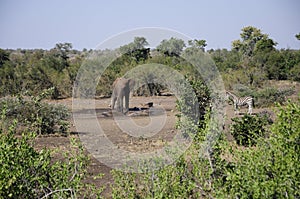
(33, 113)
(252, 60)
(248, 129)
(26, 172)
(271, 170)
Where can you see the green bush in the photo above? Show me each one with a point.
(271, 170)
(247, 129)
(23, 171)
(294, 73)
(172, 181)
(28, 173)
(270, 96)
(41, 117)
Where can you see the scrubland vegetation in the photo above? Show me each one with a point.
(262, 161)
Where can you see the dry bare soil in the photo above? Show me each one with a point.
(140, 114)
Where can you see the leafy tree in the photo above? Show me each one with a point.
(57, 57)
(298, 36)
(201, 44)
(171, 47)
(63, 49)
(252, 39)
(138, 43)
(136, 49)
(294, 73)
(226, 60)
(4, 56)
(279, 63)
(264, 45)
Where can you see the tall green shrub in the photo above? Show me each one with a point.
(271, 170)
(32, 112)
(247, 129)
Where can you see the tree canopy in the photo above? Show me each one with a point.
(252, 40)
(171, 47)
(252, 60)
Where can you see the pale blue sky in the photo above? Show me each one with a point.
(85, 23)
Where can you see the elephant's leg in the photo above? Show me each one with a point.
(121, 104)
(118, 104)
(126, 102)
(113, 101)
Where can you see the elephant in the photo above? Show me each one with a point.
(121, 90)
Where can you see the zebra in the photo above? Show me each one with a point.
(240, 101)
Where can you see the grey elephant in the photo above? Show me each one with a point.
(121, 90)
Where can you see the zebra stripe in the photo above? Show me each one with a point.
(240, 101)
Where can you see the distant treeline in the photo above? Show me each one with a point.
(252, 60)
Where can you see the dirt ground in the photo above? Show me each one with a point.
(163, 109)
(140, 114)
